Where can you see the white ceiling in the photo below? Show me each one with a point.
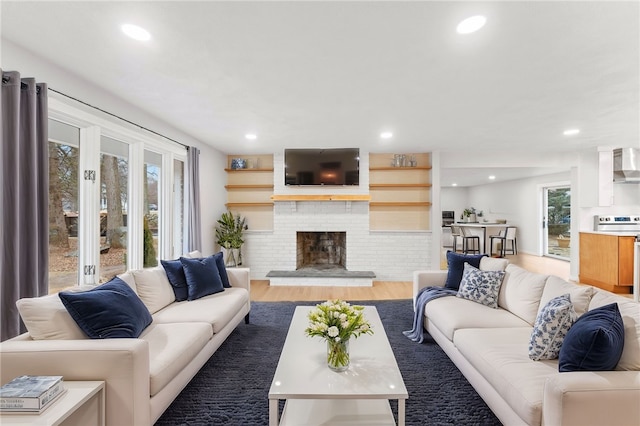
(336, 74)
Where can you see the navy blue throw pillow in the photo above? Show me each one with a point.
(222, 269)
(175, 274)
(594, 342)
(111, 310)
(455, 262)
(202, 277)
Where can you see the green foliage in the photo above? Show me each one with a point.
(149, 256)
(230, 230)
(559, 202)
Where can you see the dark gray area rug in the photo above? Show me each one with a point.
(232, 387)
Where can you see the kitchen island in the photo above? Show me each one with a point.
(606, 261)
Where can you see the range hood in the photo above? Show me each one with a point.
(626, 165)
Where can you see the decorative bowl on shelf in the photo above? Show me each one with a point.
(238, 163)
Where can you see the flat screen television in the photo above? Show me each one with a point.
(336, 166)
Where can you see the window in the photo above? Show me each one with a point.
(114, 172)
(116, 196)
(64, 152)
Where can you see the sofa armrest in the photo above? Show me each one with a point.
(422, 279)
(239, 277)
(123, 364)
(592, 398)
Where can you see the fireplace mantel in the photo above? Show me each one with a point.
(322, 197)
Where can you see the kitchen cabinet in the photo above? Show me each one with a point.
(606, 261)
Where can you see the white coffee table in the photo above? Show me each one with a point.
(316, 395)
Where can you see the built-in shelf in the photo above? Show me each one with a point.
(400, 168)
(400, 185)
(399, 204)
(236, 205)
(322, 197)
(400, 196)
(248, 170)
(249, 190)
(248, 186)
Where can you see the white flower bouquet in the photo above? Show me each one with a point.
(337, 321)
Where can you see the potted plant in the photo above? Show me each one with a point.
(469, 214)
(229, 236)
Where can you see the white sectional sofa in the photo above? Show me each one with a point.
(491, 348)
(143, 375)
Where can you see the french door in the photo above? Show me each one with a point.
(556, 235)
(113, 204)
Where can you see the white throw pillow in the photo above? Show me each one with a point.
(153, 288)
(521, 292)
(580, 294)
(46, 318)
(552, 324)
(480, 286)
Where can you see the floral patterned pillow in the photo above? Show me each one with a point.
(552, 324)
(480, 286)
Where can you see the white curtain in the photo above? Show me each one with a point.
(24, 185)
(193, 240)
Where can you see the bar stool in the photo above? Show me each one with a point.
(508, 234)
(455, 233)
(468, 236)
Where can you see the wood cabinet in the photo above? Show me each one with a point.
(249, 190)
(400, 196)
(606, 261)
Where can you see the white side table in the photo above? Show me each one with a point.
(81, 405)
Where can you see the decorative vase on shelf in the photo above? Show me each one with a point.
(338, 355)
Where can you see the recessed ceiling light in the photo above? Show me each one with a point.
(571, 132)
(454, 184)
(136, 32)
(471, 24)
(492, 177)
(251, 136)
(386, 135)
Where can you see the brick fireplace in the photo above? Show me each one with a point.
(390, 255)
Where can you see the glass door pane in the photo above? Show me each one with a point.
(152, 207)
(114, 170)
(64, 151)
(558, 213)
(178, 207)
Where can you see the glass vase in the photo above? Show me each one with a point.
(338, 355)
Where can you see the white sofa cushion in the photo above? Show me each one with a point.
(493, 263)
(153, 288)
(500, 355)
(580, 295)
(127, 277)
(468, 314)
(630, 312)
(46, 318)
(521, 291)
(171, 348)
(216, 309)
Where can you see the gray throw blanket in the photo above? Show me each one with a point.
(425, 295)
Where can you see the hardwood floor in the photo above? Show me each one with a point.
(261, 291)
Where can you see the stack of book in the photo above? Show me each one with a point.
(30, 394)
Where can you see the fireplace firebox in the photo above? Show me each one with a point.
(323, 250)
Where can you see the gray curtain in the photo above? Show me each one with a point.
(193, 240)
(24, 182)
